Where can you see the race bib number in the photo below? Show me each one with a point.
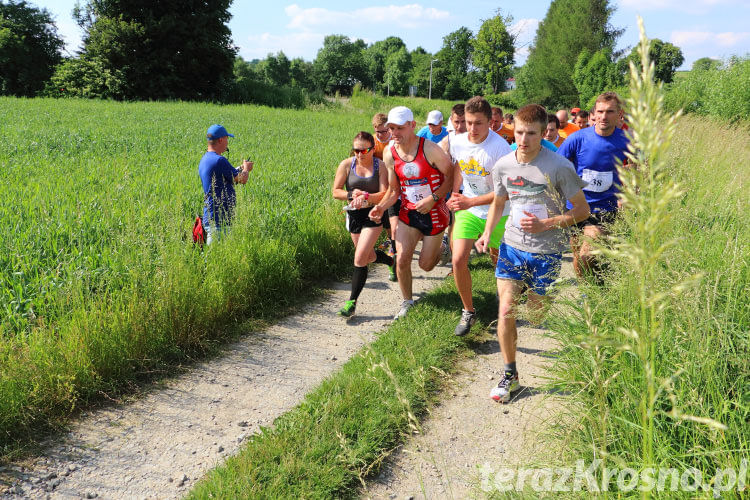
(417, 193)
(598, 182)
(478, 187)
(517, 212)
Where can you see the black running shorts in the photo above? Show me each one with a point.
(599, 219)
(358, 219)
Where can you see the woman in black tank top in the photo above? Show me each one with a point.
(361, 181)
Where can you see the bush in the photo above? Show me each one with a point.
(724, 93)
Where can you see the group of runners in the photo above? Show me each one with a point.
(514, 187)
(511, 186)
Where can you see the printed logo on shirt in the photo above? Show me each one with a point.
(410, 170)
(517, 184)
(472, 167)
(415, 182)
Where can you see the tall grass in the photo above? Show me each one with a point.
(658, 357)
(98, 283)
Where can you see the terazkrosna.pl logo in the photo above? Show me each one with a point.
(596, 478)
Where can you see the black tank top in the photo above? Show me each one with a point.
(367, 184)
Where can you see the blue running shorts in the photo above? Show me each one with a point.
(537, 270)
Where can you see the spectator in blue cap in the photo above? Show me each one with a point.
(218, 177)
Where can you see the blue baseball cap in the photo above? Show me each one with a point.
(217, 132)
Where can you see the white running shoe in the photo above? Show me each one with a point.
(507, 384)
(405, 306)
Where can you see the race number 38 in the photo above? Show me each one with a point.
(598, 182)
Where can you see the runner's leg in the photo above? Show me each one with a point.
(429, 256)
(364, 252)
(507, 334)
(586, 260)
(407, 238)
(461, 275)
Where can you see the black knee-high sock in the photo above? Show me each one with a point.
(359, 277)
(383, 258)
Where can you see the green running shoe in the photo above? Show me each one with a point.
(348, 310)
(392, 272)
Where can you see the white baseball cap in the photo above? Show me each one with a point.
(400, 115)
(434, 118)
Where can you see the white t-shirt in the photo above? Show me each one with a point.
(476, 162)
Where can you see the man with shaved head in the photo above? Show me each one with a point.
(566, 128)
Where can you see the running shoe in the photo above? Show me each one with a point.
(468, 318)
(405, 306)
(445, 253)
(348, 310)
(392, 271)
(507, 384)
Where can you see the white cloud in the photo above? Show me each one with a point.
(303, 45)
(401, 16)
(730, 39)
(696, 38)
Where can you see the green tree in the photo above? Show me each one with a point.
(706, 64)
(376, 56)
(301, 73)
(665, 56)
(277, 69)
(569, 27)
(340, 64)
(397, 67)
(29, 48)
(494, 51)
(451, 72)
(594, 74)
(164, 49)
(419, 72)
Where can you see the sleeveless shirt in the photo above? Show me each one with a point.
(368, 184)
(418, 179)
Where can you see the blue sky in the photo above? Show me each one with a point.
(701, 28)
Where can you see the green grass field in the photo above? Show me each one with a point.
(99, 284)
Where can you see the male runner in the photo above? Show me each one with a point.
(582, 119)
(474, 154)
(594, 152)
(382, 134)
(566, 128)
(382, 138)
(536, 182)
(551, 134)
(434, 129)
(420, 174)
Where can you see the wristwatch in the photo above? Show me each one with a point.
(435, 197)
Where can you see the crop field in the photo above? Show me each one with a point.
(98, 281)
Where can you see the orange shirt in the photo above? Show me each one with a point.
(568, 129)
(559, 141)
(380, 146)
(507, 133)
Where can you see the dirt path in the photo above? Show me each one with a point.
(158, 445)
(468, 437)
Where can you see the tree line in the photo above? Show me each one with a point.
(183, 50)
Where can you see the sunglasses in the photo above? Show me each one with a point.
(363, 151)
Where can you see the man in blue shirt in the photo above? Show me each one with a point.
(595, 151)
(434, 130)
(218, 177)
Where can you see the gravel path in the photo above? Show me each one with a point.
(160, 444)
(468, 433)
